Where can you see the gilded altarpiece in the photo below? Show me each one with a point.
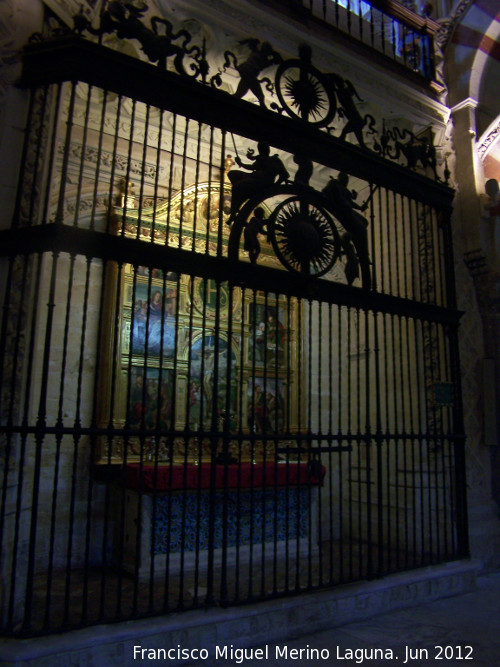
(169, 339)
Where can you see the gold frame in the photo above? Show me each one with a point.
(270, 367)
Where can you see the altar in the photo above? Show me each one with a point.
(178, 514)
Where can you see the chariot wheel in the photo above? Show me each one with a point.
(304, 93)
(304, 236)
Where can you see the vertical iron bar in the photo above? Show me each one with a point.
(289, 409)
(99, 159)
(143, 171)
(359, 442)
(351, 440)
(196, 183)
(406, 269)
(331, 436)
(423, 431)
(309, 389)
(319, 443)
(253, 426)
(76, 440)
(213, 463)
(173, 427)
(388, 344)
(93, 442)
(445, 443)
(279, 342)
(183, 181)
(40, 434)
(209, 197)
(300, 403)
(265, 441)
(28, 142)
(226, 429)
(379, 439)
(220, 247)
(18, 351)
(157, 175)
(127, 433)
(78, 197)
(47, 166)
(242, 428)
(401, 429)
(109, 438)
(128, 183)
(406, 423)
(59, 437)
(59, 216)
(368, 435)
(171, 178)
(341, 431)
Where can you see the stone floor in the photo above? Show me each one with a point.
(458, 630)
(98, 596)
(438, 615)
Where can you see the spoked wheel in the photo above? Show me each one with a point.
(304, 236)
(304, 93)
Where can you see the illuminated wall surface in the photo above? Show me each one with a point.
(230, 339)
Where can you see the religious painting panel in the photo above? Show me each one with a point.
(152, 321)
(194, 356)
(208, 383)
(267, 335)
(266, 405)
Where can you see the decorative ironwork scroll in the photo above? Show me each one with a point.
(292, 87)
(308, 230)
(396, 143)
(159, 42)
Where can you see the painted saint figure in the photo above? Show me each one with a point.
(153, 325)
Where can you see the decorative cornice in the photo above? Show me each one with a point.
(122, 163)
(467, 103)
(488, 139)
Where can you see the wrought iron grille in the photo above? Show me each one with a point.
(215, 390)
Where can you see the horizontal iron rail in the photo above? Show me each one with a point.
(76, 59)
(94, 431)
(54, 237)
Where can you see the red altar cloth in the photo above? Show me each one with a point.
(244, 475)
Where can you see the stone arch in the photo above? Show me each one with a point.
(472, 64)
(473, 72)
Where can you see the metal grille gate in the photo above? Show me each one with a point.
(180, 425)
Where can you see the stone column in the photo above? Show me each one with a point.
(477, 251)
(468, 172)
